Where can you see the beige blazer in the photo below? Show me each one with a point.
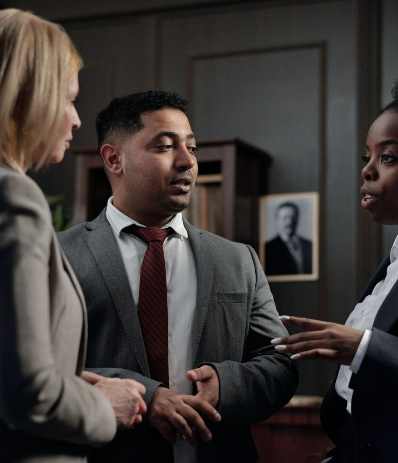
(47, 413)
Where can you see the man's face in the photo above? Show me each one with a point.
(286, 221)
(159, 168)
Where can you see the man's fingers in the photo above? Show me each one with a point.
(186, 421)
(203, 407)
(168, 432)
(203, 373)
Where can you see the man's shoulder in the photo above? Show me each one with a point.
(213, 238)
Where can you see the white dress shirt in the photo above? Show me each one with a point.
(362, 318)
(181, 299)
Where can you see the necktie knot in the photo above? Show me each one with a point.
(149, 234)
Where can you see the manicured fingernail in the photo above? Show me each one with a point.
(280, 347)
(217, 416)
(284, 317)
(194, 374)
(295, 356)
(276, 340)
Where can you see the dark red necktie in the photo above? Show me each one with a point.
(152, 301)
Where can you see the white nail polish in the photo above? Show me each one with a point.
(276, 340)
(295, 357)
(280, 348)
(284, 317)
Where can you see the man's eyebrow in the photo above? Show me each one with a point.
(165, 133)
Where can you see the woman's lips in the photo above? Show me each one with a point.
(368, 200)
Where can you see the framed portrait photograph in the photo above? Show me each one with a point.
(289, 236)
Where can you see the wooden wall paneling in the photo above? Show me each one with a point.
(368, 257)
(389, 74)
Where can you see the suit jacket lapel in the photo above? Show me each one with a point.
(387, 315)
(101, 241)
(380, 274)
(205, 265)
(72, 276)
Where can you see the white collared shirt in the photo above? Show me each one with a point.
(181, 299)
(362, 318)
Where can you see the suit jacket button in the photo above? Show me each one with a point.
(139, 456)
(367, 448)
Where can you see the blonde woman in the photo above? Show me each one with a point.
(48, 410)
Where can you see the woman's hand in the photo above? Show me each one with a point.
(321, 340)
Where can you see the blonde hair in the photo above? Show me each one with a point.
(37, 59)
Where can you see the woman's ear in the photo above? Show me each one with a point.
(111, 154)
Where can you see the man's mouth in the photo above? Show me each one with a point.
(182, 184)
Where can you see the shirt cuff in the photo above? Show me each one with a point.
(361, 351)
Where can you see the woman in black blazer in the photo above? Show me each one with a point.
(360, 409)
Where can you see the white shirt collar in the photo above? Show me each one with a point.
(118, 221)
(394, 250)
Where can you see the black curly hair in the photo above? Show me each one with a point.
(393, 106)
(123, 115)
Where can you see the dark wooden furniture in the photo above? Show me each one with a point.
(236, 171)
(294, 434)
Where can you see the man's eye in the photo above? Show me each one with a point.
(192, 149)
(165, 147)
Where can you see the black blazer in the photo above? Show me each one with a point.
(375, 386)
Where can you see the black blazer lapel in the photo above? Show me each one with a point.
(101, 242)
(388, 314)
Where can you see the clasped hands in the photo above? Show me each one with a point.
(173, 413)
(321, 340)
(125, 396)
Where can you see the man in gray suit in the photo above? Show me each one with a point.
(221, 313)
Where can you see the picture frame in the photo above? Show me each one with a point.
(289, 236)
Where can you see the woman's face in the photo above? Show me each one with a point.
(380, 174)
(71, 121)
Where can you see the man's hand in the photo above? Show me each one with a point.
(173, 413)
(124, 396)
(322, 340)
(207, 383)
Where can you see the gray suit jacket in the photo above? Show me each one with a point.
(234, 322)
(46, 411)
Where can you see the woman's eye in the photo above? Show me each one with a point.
(387, 158)
(365, 159)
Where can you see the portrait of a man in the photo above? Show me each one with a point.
(288, 234)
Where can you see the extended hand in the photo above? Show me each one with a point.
(124, 396)
(207, 383)
(170, 412)
(322, 340)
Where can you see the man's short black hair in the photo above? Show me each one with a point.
(288, 204)
(123, 115)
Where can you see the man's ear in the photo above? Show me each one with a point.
(111, 154)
